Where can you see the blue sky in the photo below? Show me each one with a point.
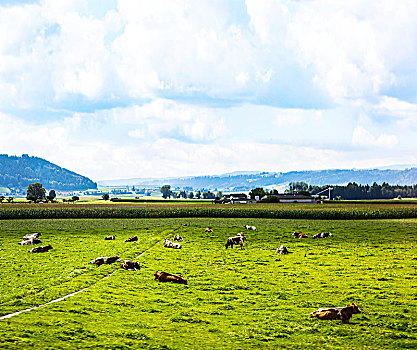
(127, 88)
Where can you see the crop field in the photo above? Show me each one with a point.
(234, 299)
(155, 204)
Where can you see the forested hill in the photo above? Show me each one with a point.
(243, 182)
(19, 172)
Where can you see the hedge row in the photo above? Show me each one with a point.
(101, 213)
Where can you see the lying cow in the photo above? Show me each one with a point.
(168, 277)
(235, 240)
(110, 238)
(132, 239)
(130, 265)
(337, 313)
(30, 241)
(208, 229)
(106, 260)
(169, 244)
(178, 238)
(32, 236)
(322, 235)
(40, 249)
(299, 235)
(247, 227)
(282, 250)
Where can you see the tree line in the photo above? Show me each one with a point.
(353, 190)
(167, 193)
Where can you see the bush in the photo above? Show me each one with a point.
(271, 199)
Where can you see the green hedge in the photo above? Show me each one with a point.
(319, 214)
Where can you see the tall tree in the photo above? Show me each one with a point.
(260, 192)
(51, 196)
(166, 191)
(35, 192)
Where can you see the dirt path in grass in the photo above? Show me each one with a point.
(81, 290)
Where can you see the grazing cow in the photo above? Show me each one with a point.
(337, 313)
(235, 240)
(168, 277)
(169, 244)
(30, 241)
(322, 235)
(109, 238)
(299, 235)
(40, 249)
(32, 236)
(247, 227)
(106, 260)
(178, 238)
(132, 239)
(130, 265)
(282, 250)
(208, 229)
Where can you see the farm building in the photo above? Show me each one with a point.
(292, 198)
(237, 198)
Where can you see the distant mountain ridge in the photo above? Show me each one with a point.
(244, 181)
(18, 172)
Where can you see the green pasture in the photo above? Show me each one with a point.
(235, 299)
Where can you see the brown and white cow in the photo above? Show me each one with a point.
(170, 244)
(322, 235)
(169, 277)
(105, 260)
(110, 238)
(241, 234)
(247, 227)
(40, 249)
(178, 238)
(30, 241)
(235, 240)
(337, 313)
(130, 265)
(208, 229)
(282, 250)
(299, 235)
(132, 239)
(32, 236)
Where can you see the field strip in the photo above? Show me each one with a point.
(78, 291)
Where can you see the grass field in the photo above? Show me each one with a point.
(235, 299)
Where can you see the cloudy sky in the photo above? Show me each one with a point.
(130, 88)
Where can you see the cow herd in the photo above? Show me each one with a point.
(284, 250)
(342, 313)
(126, 264)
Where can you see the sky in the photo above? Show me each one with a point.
(115, 89)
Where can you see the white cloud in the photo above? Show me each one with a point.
(363, 137)
(168, 119)
(293, 116)
(142, 49)
(351, 45)
(210, 77)
(137, 133)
